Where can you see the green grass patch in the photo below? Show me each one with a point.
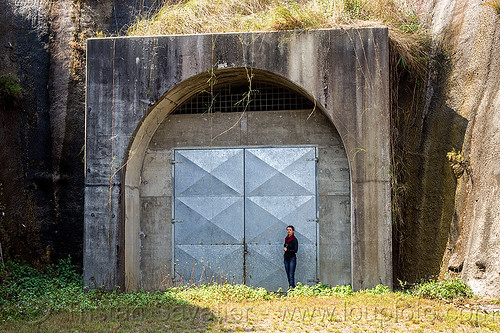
(319, 290)
(29, 293)
(219, 293)
(53, 300)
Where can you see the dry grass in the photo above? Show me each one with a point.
(204, 16)
(360, 312)
(408, 38)
(356, 313)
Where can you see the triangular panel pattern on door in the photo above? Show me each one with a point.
(285, 194)
(208, 215)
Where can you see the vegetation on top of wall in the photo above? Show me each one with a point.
(10, 89)
(406, 31)
(203, 16)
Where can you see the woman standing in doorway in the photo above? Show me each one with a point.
(290, 247)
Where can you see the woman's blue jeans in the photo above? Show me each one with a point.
(290, 264)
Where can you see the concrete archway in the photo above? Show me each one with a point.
(148, 189)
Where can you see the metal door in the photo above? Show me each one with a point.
(280, 190)
(208, 215)
(231, 209)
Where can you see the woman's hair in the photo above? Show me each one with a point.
(291, 226)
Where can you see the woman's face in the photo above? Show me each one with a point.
(289, 231)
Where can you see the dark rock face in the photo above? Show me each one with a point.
(25, 154)
(42, 134)
(126, 12)
(430, 183)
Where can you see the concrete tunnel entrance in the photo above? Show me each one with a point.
(224, 175)
(152, 100)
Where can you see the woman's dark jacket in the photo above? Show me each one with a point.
(291, 248)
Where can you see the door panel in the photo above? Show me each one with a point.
(209, 263)
(280, 190)
(264, 266)
(208, 215)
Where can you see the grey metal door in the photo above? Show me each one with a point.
(208, 215)
(231, 209)
(280, 190)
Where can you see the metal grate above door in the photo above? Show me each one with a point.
(231, 208)
(239, 98)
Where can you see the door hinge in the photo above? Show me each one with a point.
(175, 162)
(313, 159)
(176, 221)
(313, 220)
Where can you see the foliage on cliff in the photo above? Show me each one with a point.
(10, 89)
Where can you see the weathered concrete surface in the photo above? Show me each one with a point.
(345, 71)
(470, 32)
(252, 129)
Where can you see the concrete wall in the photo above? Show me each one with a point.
(252, 128)
(134, 83)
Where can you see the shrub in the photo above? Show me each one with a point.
(26, 292)
(29, 294)
(10, 89)
(447, 289)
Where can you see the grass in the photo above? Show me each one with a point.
(53, 300)
(227, 312)
(408, 37)
(201, 16)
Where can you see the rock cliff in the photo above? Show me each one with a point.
(42, 134)
(469, 32)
